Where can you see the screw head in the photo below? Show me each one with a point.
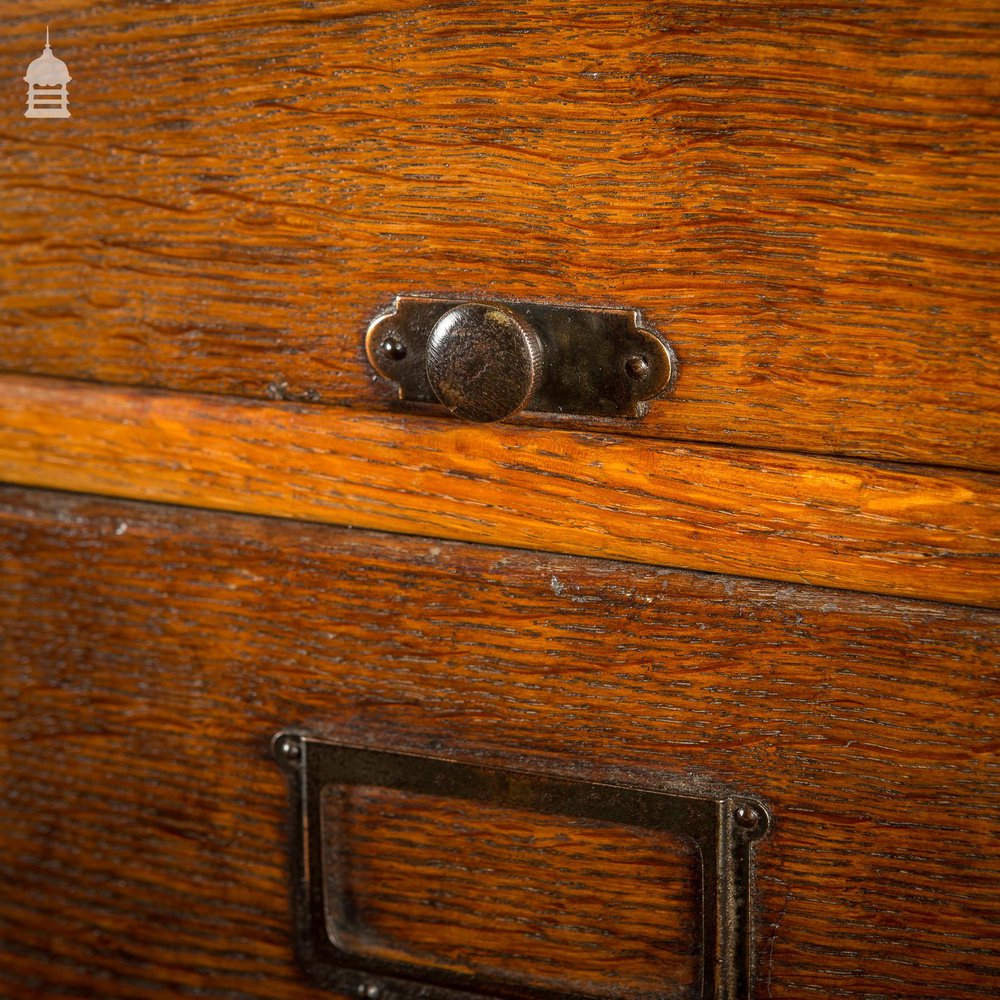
(369, 990)
(393, 347)
(746, 816)
(637, 367)
(289, 748)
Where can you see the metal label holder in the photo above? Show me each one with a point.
(722, 830)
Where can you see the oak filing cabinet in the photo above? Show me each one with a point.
(310, 690)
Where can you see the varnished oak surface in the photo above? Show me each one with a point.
(802, 196)
(150, 652)
(921, 532)
(591, 909)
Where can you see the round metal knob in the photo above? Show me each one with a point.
(483, 362)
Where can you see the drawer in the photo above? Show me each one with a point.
(802, 198)
(151, 652)
(392, 705)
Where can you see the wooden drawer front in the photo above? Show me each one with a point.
(802, 197)
(149, 654)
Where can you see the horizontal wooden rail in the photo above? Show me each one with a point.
(918, 532)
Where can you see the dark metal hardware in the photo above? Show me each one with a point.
(722, 830)
(488, 360)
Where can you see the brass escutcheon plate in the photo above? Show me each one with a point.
(602, 362)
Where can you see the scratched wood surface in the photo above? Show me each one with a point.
(801, 195)
(905, 530)
(150, 652)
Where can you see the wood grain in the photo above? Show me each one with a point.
(917, 532)
(802, 196)
(149, 653)
(590, 909)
